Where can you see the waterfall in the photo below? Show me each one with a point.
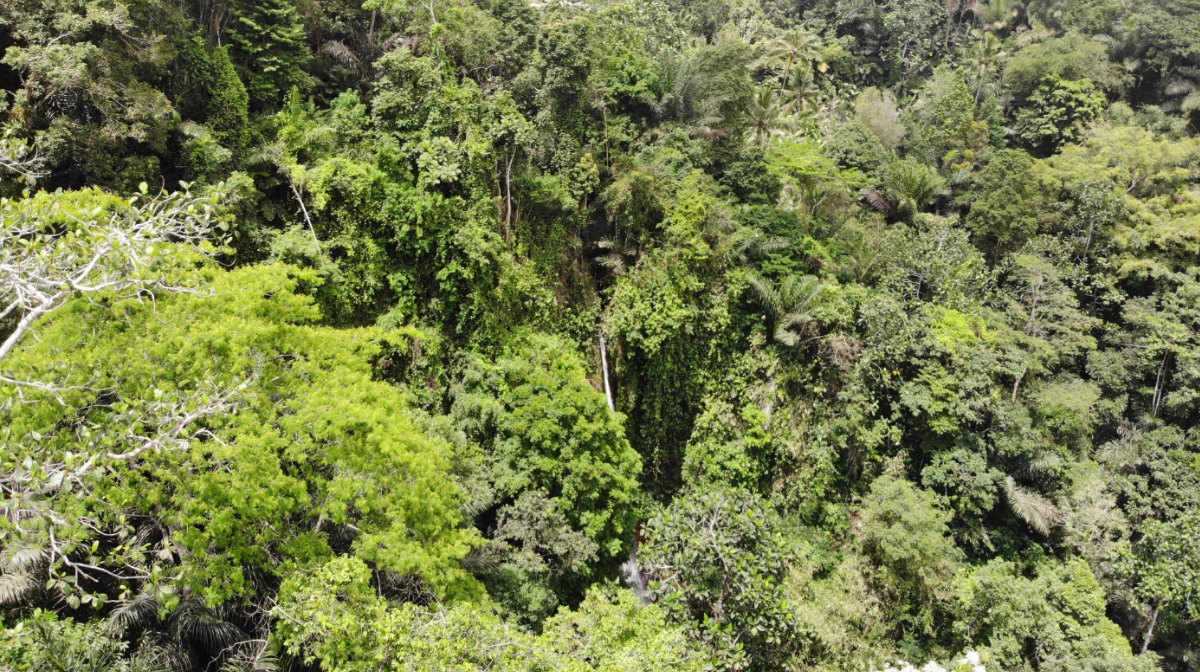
(604, 365)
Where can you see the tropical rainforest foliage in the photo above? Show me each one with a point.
(625, 335)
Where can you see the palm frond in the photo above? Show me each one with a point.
(1191, 102)
(1179, 87)
(15, 588)
(193, 129)
(877, 201)
(252, 656)
(767, 295)
(799, 296)
(164, 653)
(1042, 462)
(1188, 71)
(1031, 507)
(194, 622)
(270, 154)
(755, 245)
(615, 263)
(339, 52)
(1123, 449)
(319, 134)
(398, 40)
(23, 559)
(140, 612)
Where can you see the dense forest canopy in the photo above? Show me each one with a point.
(622, 335)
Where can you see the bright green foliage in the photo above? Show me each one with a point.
(356, 630)
(312, 447)
(905, 535)
(42, 644)
(612, 632)
(1054, 618)
(1057, 112)
(728, 448)
(842, 332)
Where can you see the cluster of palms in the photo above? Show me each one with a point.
(786, 106)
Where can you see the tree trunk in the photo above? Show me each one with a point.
(1150, 628)
(304, 209)
(508, 195)
(1017, 384)
(1158, 383)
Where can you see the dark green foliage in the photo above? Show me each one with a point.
(543, 429)
(750, 177)
(854, 146)
(1005, 208)
(228, 116)
(905, 534)
(269, 47)
(715, 559)
(1057, 112)
(1071, 57)
(840, 332)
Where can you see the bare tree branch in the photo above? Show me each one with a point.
(52, 249)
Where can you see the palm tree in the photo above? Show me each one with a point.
(996, 14)
(1029, 506)
(769, 115)
(190, 637)
(789, 304)
(802, 91)
(983, 58)
(615, 257)
(795, 50)
(912, 185)
(685, 96)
